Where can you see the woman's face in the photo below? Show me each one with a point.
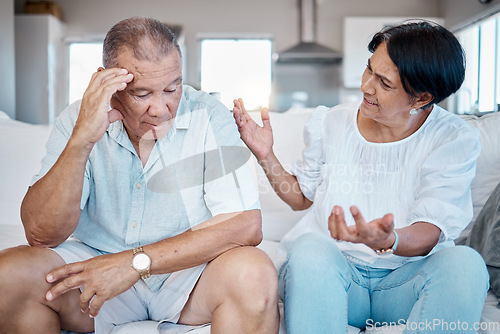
(384, 98)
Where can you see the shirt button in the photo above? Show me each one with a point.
(138, 186)
(134, 224)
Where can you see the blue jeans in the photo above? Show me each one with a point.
(323, 292)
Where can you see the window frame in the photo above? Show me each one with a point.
(473, 89)
(235, 37)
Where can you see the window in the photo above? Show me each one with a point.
(481, 89)
(497, 66)
(84, 60)
(487, 64)
(237, 68)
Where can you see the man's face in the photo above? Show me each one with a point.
(149, 103)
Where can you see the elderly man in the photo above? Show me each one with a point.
(149, 178)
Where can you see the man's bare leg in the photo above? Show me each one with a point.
(23, 307)
(237, 293)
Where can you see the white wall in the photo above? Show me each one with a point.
(90, 19)
(41, 63)
(276, 17)
(459, 12)
(7, 58)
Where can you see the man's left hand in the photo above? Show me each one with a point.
(101, 278)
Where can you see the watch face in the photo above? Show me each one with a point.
(141, 261)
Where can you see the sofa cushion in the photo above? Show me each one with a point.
(488, 162)
(277, 217)
(485, 237)
(21, 150)
(11, 235)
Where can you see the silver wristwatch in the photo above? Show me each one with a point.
(141, 262)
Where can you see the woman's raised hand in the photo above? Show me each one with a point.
(259, 139)
(376, 234)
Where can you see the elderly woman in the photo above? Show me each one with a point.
(388, 183)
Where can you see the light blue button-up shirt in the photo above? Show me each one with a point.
(198, 170)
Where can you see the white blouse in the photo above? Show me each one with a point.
(425, 177)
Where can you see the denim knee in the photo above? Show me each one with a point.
(314, 251)
(466, 269)
(314, 286)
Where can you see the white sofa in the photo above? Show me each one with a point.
(23, 145)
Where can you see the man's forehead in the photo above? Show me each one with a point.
(155, 73)
(156, 66)
(145, 70)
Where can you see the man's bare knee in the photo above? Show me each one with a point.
(250, 290)
(23, 288)
(248, 281)
(20, 269)
(253, 280)
(22, 284)
(237, 293)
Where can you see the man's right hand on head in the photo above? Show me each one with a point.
(95, 113)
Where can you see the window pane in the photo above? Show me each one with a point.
(487, 63)
(468, 93)
(84, 59)
(497, 100)
(237, 68)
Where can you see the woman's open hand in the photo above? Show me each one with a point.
(259, 139)
(376, 234)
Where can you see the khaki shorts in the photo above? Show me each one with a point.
(139, 302)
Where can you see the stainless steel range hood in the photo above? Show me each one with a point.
(308, 50)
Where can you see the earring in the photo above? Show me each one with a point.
(413, 111)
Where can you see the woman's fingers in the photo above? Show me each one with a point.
(373, 233)
(337, 225)
(264, 115)
(361, 225)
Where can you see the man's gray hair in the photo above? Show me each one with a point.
(147, 38)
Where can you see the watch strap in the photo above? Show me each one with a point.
(138, 250)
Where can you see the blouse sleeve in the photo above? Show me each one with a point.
(444, 195)
(308, 170)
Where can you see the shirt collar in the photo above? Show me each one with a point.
(183, 117)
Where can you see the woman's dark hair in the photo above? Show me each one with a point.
(147, 38)
(429, 58)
